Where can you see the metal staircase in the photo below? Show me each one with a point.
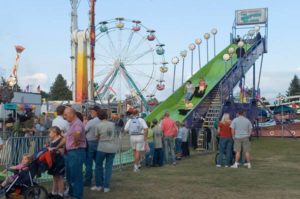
(212, 114)
(212, 105)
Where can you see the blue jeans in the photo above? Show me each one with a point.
(103, 175)
(150, 154)
(90, 158)
(169, 149)
(225, 147)
(74, 166)
(158, 157)
(188, 96)
(178, 142)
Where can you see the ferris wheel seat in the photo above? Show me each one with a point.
(136, 28)
(160, 87)
(120, 25)
(151, 37)
(163, 69)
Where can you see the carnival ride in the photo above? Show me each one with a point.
(129, 61)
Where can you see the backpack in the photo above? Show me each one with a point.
(135, 127)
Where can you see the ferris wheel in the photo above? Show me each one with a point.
(129, 61)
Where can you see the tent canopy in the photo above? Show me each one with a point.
(283, 108)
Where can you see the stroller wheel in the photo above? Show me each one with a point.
(36, 192)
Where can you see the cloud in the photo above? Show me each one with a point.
(298, 69)
(272, 83)
(34, 81)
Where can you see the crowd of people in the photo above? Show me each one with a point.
(93, 141)
(77, 141)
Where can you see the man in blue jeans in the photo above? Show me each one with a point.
(75, 146)
(92, 143)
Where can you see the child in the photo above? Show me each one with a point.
(189, 91)
(26, 160)
(185, 144)
(150, 153)
(178, 141)
(58, 167)
(158, 146)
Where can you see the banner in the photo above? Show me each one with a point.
(251, 16)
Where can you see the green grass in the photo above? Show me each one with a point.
(275, 174)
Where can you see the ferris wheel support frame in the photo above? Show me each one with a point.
(134, 86)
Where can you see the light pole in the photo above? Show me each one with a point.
(206, 37)
(192, 47)
(175, 61)
(226, 57)
(231, 52)
(214, 31)
(183, 54)
(198, 42)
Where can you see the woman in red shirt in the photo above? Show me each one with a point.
(225, 142)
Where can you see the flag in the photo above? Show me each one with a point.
(27, 88)
(38, 89)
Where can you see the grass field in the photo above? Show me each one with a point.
(275, 174)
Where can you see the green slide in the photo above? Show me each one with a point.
(212, 72)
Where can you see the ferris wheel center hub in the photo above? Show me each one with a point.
(119, 64)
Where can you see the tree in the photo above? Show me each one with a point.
(44, 94)
(59, 89)
(294, 88)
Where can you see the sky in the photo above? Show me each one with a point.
(43, 28)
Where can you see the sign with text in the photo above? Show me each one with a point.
(251, 16)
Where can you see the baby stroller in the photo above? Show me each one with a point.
(24, 185)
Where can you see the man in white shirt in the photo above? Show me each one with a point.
(59, 121)
(138, 131)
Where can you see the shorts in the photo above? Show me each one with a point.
(242, 143)
(137, 142)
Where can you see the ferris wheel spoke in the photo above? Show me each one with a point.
(110, 82)
(127, 45)
(142, 41)
(104, 56)
(134, 86)
(104, 65)
(104, 60)
(111, 44)
(106, 79)
(139, 73)
(108, 52)
(142, 64)
(120, 43)
(134, 58)
(102, 72)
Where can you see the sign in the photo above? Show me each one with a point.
(10, 106)
(251, 16)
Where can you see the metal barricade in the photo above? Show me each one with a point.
(15, 147)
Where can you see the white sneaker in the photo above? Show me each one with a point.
(226, 166)
(249, 165)
(95, 188)
(106, 190)
(136, 168)
(219, 166)
(235, 165)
